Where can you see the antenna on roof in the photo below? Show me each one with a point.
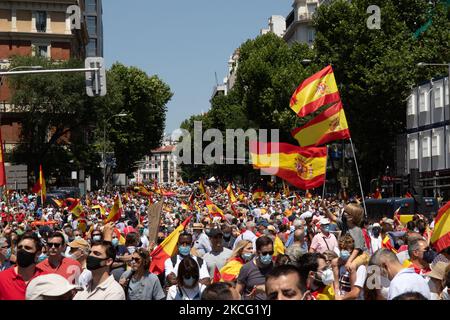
(217, 81)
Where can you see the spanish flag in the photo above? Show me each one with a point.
(166, 249)
(101, 208)
(231, 195)
(286, 190)
(304, 168)
(201, 187)
(59, 203)
(76, 208)
(377, 194)
(116, 210)
(40, 185)
(217, 277)
(258, 194)
(120, 237)
(213, 209)
(144, 192)
(184, 206)
(329, 126)
(315, 92)
(440, 238)
(2, 163)
(230, 271)
(278, 247)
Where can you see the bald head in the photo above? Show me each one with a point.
(299, 235)
(251, 225)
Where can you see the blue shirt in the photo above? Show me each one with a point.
(6, 265)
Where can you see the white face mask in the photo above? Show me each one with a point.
(327, 277)
(131, 249)
(445, 295)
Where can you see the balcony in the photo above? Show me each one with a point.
(305, 17)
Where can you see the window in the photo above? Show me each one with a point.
(91, 6)
(412, 105)
(423, 105)
(426, 147)
(413, 149)
(438, 97)
(91, 49)
(41, 21)
(92, 26)
(42, 51)
(311, 35)
(435, 144)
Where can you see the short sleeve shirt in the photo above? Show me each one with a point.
(358, 237)
(250, 276)
(69, 269)
(12, 285)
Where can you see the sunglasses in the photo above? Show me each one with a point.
(137, 260)
(55, 245)
(266, 253)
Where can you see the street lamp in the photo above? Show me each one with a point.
(119, 115)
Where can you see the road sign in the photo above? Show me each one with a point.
(17, 177)
(95, 80)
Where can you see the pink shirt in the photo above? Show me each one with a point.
(320, 243)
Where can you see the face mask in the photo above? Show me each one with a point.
(265, 260)
(429, 256)
(8, 254)
(42, 257)
(131, 249)
(247, 256)
(376, 232)
(25, 258)
(327, 277)
(115, 242)
(227, 235)
(184, 250)
(326, 228)
(189, 282)
(345, 254)
(78, 238)
(97, 238)
(94, 263)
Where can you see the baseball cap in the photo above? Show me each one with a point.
(324, 221)
(49, 285)
(376, 224)
(197, 226)
(79, 243)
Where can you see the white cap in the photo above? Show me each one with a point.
(50, 285)
(324, 221)
(376, 224)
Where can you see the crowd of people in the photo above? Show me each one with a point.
(271, 247)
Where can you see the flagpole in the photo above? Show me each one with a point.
(325, 181)
(359, 178)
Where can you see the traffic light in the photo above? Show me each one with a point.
(95, 80)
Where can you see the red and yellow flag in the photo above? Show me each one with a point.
(76, 208)
(201, 187)
(258, 194)
(59, 203)
(231, 194)
(328, 126)
(166, 249)
(304, 168)
(278, 247)
(315, 92)
(230, 271)
(440, 238)
(213, 209)
(286, 190)
(101, 208)
(408, 195)
(2, 163)
(377, 194)
(39, 187)
(116, 210)
(217, 277)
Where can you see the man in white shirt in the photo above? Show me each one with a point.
(247, 235)
(402, 280)
(201, 241)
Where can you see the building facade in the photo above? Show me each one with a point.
(277, 25)
(34, 28)
(161, 165)
(428, 137)
(93, 14)
(299, 26)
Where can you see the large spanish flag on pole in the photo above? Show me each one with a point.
(304, 168)
(329, 126)
(166, 249)
(315, 92)
(440, 238)
(40, 186)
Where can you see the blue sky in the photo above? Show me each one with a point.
(183, 42)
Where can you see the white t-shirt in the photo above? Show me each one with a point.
(180, 293)
(407, 280)
(169, 268)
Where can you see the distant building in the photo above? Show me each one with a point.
(161, 165)
(427, 154)
(299, 26)
(93, 15)
(277, 25)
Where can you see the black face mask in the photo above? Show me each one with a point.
(376, 232)
(25, 258)
(94, 263)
